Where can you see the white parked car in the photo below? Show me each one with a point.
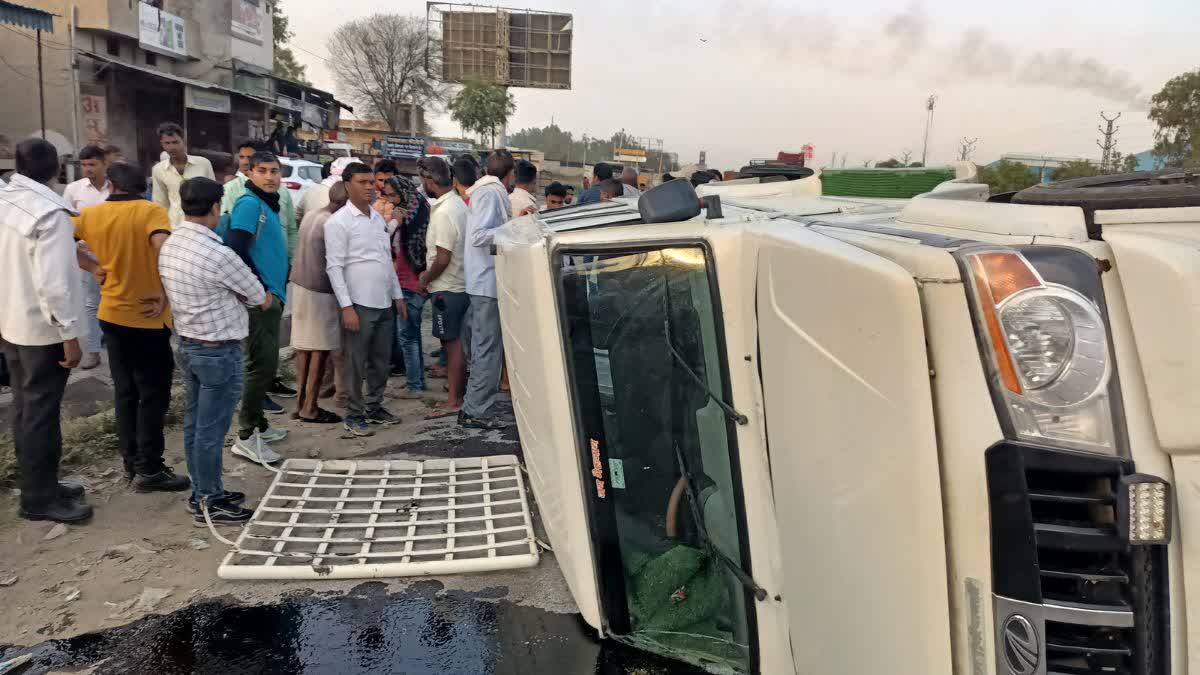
(799, 434)
(299, 175)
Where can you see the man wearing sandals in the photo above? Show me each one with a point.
(207, 285)
(316, 333)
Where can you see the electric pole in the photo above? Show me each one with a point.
(966, 148)
(1110, 141)
(929, 103)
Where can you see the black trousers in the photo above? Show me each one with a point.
(38, 384)
(142, 366)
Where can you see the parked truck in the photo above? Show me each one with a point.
(790, 433)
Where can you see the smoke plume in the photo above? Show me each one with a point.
(907, 41)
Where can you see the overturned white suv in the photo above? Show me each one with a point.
(793, 433)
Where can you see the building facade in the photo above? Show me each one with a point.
(112, 70)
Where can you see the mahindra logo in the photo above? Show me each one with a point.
(1021, 646)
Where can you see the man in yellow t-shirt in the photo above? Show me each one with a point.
(125, 233)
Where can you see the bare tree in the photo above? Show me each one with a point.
(905, 157)
(966, 148)
(384, 63)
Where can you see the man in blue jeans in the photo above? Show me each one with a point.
(208, 286)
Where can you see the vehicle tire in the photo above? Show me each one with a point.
(1165, 188)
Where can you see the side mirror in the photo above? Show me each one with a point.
(670, 202)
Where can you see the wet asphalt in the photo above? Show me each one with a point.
(425, 629)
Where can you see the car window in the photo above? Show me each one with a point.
(312, 173)
(285, 170)
(642, 332)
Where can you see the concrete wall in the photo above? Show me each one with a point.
(19, 106)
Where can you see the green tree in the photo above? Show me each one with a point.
(286, 65)
(1129, 164)
(482, 106)
(1176, 111)
(916, 165)
(1007, 176)
(1078, 169)
(891, 163)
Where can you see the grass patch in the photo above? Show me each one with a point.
(86, 440)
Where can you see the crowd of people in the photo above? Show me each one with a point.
(180, 271)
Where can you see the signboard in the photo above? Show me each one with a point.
(95, 117)
(202, 99)
(248, 19)
(161, 32)
(398, 145)
(456, 147)
(516, 47)
(330, 135)
(629, 155)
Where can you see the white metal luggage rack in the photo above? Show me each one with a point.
(343, 519)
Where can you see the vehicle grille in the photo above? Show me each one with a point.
(1098, 605)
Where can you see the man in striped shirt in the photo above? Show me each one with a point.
(208, 286)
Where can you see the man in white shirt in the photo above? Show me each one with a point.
(40, 324)
(522, 198)
(90, 190)
(489, 209)
(358, 257)
(444, 278)
(169, 174)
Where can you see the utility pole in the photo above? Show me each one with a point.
(929, 103)
(966, 148)
(1110, 141)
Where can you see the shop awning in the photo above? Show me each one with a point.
(26, 17)
(198, 84)
(263, 72)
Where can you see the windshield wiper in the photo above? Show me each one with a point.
(710, 546)
(729, 410)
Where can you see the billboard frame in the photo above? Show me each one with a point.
(514, 47)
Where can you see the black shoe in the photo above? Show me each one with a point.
(398, 371)
(59, 511)
(163, 481)
(488, 423)
(193, 505)
(271, 407)
(69, 489)
(381, 416)
(278, 388)
(222, 512)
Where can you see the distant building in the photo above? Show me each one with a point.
(114, 69)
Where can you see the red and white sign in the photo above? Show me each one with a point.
(95, 117)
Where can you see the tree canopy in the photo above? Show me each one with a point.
(1176, 111)
(385, 63)
(482, 107)
(286, 65)
(891, 163)
(1007, 176)
(1076, 169)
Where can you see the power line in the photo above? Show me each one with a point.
(45, 42)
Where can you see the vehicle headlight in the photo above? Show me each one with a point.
(1047, 349)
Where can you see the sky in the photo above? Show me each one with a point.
(745, 79)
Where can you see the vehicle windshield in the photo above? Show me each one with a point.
(647, 354)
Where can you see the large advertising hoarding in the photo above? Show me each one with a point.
(516, 47)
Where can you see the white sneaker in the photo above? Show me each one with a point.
(255, 450)
(273, 434)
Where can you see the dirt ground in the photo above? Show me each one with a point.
(142, 555)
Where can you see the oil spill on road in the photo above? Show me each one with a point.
(421, 630)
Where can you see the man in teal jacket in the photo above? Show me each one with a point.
(256, 235)
(235, 188)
